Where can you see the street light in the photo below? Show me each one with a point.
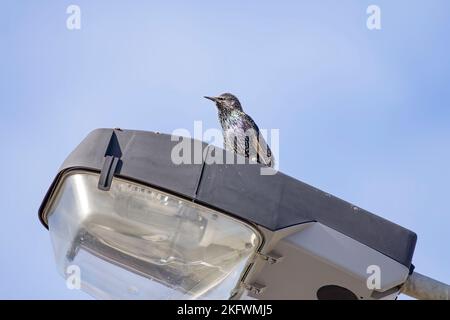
(139, 226)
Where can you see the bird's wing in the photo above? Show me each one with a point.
(258, 146)
(264, 154)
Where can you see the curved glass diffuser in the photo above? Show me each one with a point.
(135, 242)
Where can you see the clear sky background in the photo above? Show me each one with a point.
(364, 115)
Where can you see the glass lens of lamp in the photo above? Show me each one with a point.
(135, 242)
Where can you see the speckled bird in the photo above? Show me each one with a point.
(240, 133)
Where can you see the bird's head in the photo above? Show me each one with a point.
(226, 101)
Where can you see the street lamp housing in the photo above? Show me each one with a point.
(140, 226)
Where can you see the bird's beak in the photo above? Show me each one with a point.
(211, 98)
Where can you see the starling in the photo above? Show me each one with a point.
(240, 133)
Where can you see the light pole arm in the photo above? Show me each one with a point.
(424, 288)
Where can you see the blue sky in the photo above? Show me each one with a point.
(364, 115)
